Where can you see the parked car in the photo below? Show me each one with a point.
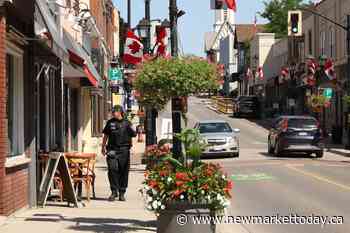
(296, 134)
(246, 106)
(222, 140)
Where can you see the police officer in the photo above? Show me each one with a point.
(116, 144)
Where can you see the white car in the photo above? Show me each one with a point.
(222, 140)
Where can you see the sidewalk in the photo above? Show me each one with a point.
(97, 216)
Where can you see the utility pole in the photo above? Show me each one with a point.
(129, 13)
(176, 114)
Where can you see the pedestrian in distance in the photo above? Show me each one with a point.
(140, 132)
(116, 145)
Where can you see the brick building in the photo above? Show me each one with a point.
(16, 131)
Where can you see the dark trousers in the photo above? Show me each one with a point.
(118, 164)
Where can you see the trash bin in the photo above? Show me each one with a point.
(337, 134)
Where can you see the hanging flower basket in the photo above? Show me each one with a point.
(317, 102)
(159, 80)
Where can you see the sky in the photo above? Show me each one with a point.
(197, 20)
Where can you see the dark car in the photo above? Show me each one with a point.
(246, 106)
(296, 134)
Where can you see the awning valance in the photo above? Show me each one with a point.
(79, 57)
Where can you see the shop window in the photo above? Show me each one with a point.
(97, 115)
(15, 99)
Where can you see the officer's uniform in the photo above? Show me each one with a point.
(120, 135)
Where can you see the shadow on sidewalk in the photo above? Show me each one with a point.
(100, 225)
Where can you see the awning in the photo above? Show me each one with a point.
(45, 24)
(80, 58)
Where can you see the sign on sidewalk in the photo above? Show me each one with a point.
(57, 164)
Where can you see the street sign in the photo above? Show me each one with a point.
(328, 93)
(115, 74)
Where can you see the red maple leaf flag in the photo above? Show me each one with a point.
(231, 4)
(160, 46)
(133, 49)
(329, 69)
(260, 73)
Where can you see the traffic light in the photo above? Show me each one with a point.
(294, 23)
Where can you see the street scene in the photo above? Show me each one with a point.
(226, 116)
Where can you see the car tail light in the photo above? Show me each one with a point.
(285, 125)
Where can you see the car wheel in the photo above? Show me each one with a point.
(235, 155)
(277, 151)
(269, 147)
(319, 154)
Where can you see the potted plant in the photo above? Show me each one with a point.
(186, 187)
(317, 102)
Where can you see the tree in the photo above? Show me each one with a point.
(276, 12)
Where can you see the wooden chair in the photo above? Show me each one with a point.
(57, 181)
(82, 169)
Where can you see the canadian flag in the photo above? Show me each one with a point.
(260, 73)
(311, 67)
(329, 69)
(133, 49)
(284, 74)
(160, 46)
(231, 4)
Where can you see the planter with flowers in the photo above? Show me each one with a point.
(178, 189)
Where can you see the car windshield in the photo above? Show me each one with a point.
(302, 123)
(215, 128)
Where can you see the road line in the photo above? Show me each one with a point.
(319, 178)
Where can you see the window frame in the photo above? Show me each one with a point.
(18, 105)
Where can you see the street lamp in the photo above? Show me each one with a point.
(143, 30)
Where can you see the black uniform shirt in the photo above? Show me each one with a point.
(119, 133)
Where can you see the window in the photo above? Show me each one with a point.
(331, 42)
(216, 127)
(15, 98)
(97, 115)
(310, 42)
(322, 43)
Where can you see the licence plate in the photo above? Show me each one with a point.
(215, 149)
(303, 134)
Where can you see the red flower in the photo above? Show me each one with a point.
(153, 184)
(181, 176)
(178, 192)
(229, 185)
(179, 183)
(163, 173)
(205, 187)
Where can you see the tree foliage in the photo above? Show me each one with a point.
(161, 79)
(276, 12)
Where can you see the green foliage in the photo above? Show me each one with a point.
(161, 79)
(276, 12)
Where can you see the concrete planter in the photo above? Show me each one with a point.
(178, 218)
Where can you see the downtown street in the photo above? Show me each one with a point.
(265, 185)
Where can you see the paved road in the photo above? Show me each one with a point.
(267, 186)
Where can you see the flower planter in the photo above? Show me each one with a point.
(178, 218)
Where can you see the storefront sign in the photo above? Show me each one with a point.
(115, 74)
(328, 93)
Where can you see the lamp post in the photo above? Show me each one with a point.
(174, 14)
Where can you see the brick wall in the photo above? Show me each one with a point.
(3, 121)
(13, 181)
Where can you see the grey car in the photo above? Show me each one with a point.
(222, 140)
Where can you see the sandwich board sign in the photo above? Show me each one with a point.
(57, 162)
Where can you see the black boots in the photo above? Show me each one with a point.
(122, 197)
(113, 196)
